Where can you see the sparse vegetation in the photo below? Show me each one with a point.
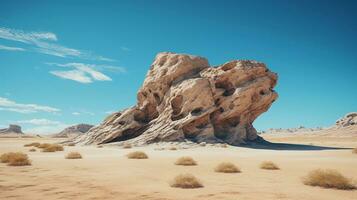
(44, 145)
(52, 148)
(186, 181)
(137, 155)
(127, 146)
(100, 146)
(328, 179)
(173, 148)
(71, 144)
(224, 145)
(73, 155)
(15, 159)
(227, 167)
(186, 161)
(269, 165)
(33, 144)
(32, 150)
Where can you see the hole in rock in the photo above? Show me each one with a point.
(176, 104)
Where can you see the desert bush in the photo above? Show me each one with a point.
(99, 146)
(127, 146)
(73, 155)
(15, 159)
(33, 144)
(53, 148)
(32, 150)
(44, 145)
(186, 161)
(173, 148)
(186, 181)
(269, 165)
(71, 144)
(137, 155)
(227, 167)
(224, 145)
(328, 179)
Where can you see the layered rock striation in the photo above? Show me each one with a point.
(184, 98)
(73, 131)
(13, 129)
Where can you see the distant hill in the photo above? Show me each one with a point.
(13, 129)
(73, 131)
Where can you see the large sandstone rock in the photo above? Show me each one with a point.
(13, 129)
(182, 98)
(349, 119)
(73, 131)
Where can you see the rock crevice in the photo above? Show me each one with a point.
(182, 98)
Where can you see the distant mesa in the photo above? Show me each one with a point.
(13, 129)
(184, 98)
(73, 131)
(349, 119)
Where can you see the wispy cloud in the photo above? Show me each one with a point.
(9, 105)
(46, 129)
(39, 122)
(84, 73)
(7, 48)
(125, 48)
(83, 113)
(46, 43)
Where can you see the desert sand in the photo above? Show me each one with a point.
(106, 173)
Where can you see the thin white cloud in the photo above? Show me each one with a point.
(83, 113)
(45, 42)
(110, 112)
(125, 48)
(9, 105)
(85, 73)
(39, 122)
(7, 48)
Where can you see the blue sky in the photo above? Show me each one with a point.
(68, 62)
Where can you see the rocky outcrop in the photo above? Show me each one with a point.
(300, 129)
(13, 129)
(349, 119)
(183, 98)
(73, 131)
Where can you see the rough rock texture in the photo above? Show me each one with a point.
(300, 129)
(349, 119)
(183, 98)
(12, 129)
(74, 131)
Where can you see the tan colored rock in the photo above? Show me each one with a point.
(349, 119)
(183, 98)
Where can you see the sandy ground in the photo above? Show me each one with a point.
(105, 173)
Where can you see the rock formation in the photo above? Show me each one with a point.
(183, 98)
(13, 129)
(74, 131)
(349, 119)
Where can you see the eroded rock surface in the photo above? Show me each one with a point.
(183, 98)
(349, 119)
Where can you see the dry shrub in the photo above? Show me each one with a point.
(44, 145)
(269, 165)
(354, 150)
(224, 145)
(186, 181)
(127, 146)
(32, 150)
(53, 148)
(99, 146)
(71, 144)
(328, 179)
(137, 155)
(186, 161)
(74, 155)
(33, 144)
(227, 167)
(173, 148)
(15, 159)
